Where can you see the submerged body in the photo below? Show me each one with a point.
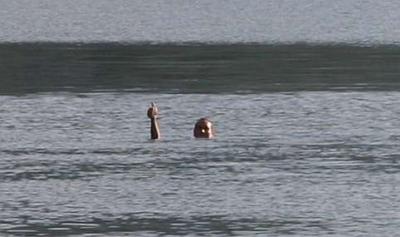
(202, 129)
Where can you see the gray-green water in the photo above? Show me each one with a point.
(307, 140)
(200, 68)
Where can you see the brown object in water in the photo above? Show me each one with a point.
(153, 113)
(203, 129)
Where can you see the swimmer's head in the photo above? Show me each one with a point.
(203, 129)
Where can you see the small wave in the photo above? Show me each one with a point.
(162, 224)
(105, 151)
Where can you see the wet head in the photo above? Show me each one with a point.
(203, 129)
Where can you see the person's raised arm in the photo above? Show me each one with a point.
(152, 113)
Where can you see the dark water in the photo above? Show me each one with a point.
(48, 67)
(307, 140)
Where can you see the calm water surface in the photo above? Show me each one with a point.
(270, 21)
(307, 140)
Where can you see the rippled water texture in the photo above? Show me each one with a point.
(303, 163)
(196, 68)
(271, 21)
(307, 140)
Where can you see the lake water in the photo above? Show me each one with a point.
(271, 21)
(304, 96)
(307, 140)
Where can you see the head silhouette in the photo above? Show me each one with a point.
(203, 129)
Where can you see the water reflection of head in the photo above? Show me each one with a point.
(203, 129)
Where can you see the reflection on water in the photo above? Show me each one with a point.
(27, 68)
(287, 164)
